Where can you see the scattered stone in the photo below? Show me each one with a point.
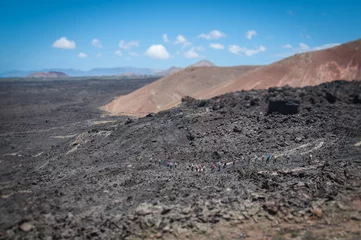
(331, 98)
(26, 227)
(128, 121)
(201, 227)
(300, 184)
(355, 216)
(270, 207)
(68, 233)
(270, 217)
(241, 217)
(166, 228)
(357, 98)
(284, 107)
(181, 230)
(317, 211)
(237, 129)
(341, 206)
(253, 210)
(243, 235)
(165, 211)
(186, 210)
(145, 208)
(159, 235)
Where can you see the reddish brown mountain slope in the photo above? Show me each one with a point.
(167, 92)
(305, 69)
(310, 68)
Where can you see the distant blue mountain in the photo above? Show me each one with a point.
(16, 73)
(78, 73)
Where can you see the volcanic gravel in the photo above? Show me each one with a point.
(100, 177)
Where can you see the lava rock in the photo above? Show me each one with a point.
(357, 98)
(331, 98)
(237, 129)
(283, 106)
(128, 121)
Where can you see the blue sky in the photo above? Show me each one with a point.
(84, 34)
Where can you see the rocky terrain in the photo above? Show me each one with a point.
(98, 177)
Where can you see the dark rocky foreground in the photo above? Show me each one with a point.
(99, 177)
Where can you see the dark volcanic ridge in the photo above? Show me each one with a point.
(105, 181)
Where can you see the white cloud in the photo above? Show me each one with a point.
(191, 54)
(287, 46)
(133, 54)
(199, 49)
(157, 52)
(215, 34)
(250, 34)
(165, 38)
(303, 46)
(82, 55)
(290, 12)
(216, 46)
(98, 55)
(64, 43)
(329, 45)
(182, 40)
(96, 43)
(234, 49)
(305, 35)
(128, 45)
(248, 52)
(118, 52)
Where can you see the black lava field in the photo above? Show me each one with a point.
(67, 170)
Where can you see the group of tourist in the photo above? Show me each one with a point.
(211, 166)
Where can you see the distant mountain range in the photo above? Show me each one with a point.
(105, 71)
(47, 75)
(78, 73)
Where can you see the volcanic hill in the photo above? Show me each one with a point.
(168, 91)
(305, 69)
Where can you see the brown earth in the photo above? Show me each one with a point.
(203, 63)
(167, 92)
(305, 69)
(169, 71)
